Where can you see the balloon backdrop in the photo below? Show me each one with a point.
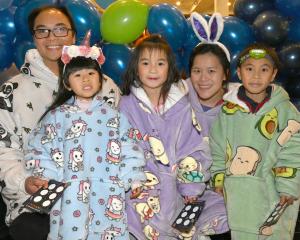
(168, 21)
(124, 21)
(104, 3)
(7, 24)
(294, 30)
(237, 34)
(289, 8)
(6, 53)
(290, 58)
(271, 27)
(249, 9)
(4, 4)
(185, 6)
(116, 60)
(86, 17)
(21, 48)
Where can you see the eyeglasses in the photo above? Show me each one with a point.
(57, 32)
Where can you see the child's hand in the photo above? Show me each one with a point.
(219, 190)
(32, 184)
(190, 199)
(136, 192)
(286, 199)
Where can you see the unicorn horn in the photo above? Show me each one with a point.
(87, 38)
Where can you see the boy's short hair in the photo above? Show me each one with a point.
(257, 51)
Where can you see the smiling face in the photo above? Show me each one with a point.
(256, 75)
(207, 76)
(153, 70)
(50, 48)
(85, 83)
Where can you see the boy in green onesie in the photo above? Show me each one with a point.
(255, 145)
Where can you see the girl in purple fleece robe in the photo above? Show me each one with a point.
(164, 124)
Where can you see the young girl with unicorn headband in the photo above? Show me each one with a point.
(88, 149)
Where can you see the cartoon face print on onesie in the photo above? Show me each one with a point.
(245, 161)
(207, 76)
(153, 70)
(6, 96)
(50, 48)
(256, 75)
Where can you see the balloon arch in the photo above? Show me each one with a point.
(116, 25)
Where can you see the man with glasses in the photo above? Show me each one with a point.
(23, 100)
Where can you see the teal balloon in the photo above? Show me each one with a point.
(86, 17)
(4, 4)
(104, 3)
(20, 49)
(116, 60)
(237, 34)
(7, 24)
(5, 55)
(124, 21)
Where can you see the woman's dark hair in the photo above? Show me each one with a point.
(215, 50)
(33, 15)
(76, 64)
(152, 42)
(269, 50)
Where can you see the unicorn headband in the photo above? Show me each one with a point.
(210, 32)
(83, 50)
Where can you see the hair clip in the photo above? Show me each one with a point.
(210, 32)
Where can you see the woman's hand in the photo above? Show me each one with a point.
(32, 184)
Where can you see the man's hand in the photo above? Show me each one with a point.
(32, 184)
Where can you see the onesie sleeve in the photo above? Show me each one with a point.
(219, 146)
(193, 158)
(287, 175)
(133, 161)
(44, 155)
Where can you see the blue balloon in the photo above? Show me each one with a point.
(271, 27)
(21, 48)
(191, 40)
(116, 61)
(169, 22)
(4, 4)
(104, 3)
(7, 24)
(289, 8)
(237, 34)
(22, 13)
(6, 54)
(233, 67)
(290, 59)
(85, 16)
(248, 10)
(294, 30)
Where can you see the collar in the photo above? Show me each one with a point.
(252, 105)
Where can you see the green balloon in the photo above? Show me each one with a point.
(124, 21)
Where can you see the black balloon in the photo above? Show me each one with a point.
(290, 59)
(249, 9)
(271, 27)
